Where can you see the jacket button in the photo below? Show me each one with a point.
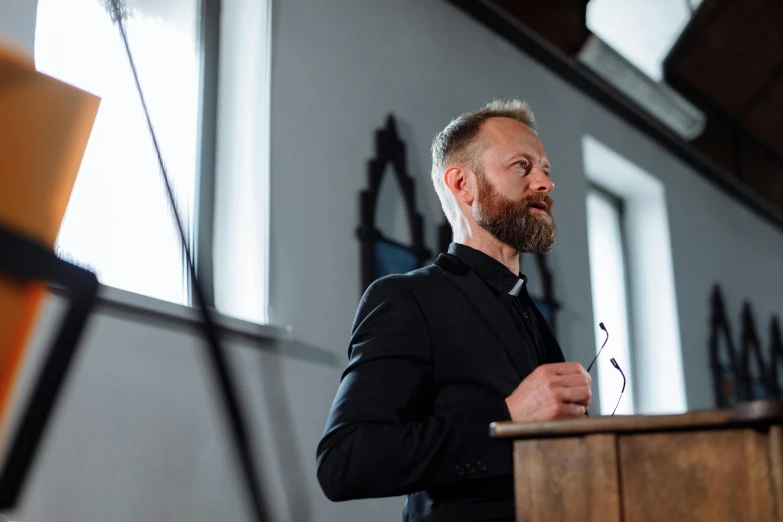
(470, 468)
(460, 470)
(481, 465)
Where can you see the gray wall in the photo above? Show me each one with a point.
(138, 435)
(17, 23)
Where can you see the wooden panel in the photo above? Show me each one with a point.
(720, 475)
(729, 61)
(776, 464)
(756, 412)
(761, 170)
(567, 479)
(562, 23)
(764, 120)
(741, 36)
(718, 141)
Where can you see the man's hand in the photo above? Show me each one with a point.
(552, 391)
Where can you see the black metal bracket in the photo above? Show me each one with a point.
(26, 260)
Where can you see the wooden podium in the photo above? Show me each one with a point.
(713, 465)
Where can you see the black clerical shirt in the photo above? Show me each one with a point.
(511, 291)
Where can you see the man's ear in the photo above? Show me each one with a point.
(461, 183)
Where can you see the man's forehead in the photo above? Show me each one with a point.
(508, 136)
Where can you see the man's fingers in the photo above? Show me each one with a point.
(566, 410)
(565, 368)
(572, 379)
(576, 394)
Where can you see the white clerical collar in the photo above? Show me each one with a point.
(517, 287)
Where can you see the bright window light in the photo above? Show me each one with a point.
(610, 298)
(643, 31)
(118, 220)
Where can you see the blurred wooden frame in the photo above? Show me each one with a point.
(44, 128)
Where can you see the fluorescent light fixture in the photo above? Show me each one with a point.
(662, 102)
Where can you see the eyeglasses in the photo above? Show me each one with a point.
(614, 363)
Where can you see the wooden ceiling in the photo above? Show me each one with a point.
(729, 62)
(562, 23)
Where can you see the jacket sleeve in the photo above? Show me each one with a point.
(380, 438)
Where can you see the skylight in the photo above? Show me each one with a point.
(642, 31)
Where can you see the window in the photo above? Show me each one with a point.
(118, 221)
(242, 199)
(644, 251)
(608, 277)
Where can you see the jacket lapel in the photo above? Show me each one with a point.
(490, 312)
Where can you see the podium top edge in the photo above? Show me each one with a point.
(751, 413)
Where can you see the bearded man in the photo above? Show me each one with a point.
(438, 354)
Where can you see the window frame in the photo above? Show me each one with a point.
(204, 207)
(208, 222)
(200, 234)
(619, 204)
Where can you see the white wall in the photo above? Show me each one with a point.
(138, 435)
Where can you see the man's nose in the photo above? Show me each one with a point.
(540, 182)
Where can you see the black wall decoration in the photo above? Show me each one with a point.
(743, 374)
(379, 254)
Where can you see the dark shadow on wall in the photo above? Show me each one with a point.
(294, 349)
(282, 423)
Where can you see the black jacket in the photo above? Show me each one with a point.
(432, 357)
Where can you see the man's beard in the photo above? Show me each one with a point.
(514, 222)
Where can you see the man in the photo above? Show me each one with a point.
(438, 354)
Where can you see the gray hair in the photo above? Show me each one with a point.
(459, 142)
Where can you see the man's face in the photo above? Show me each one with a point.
(513, 186)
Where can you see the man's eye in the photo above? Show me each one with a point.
(524, 165)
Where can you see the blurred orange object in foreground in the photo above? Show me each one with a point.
(44, 128)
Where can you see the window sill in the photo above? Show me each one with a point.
(143, 308)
